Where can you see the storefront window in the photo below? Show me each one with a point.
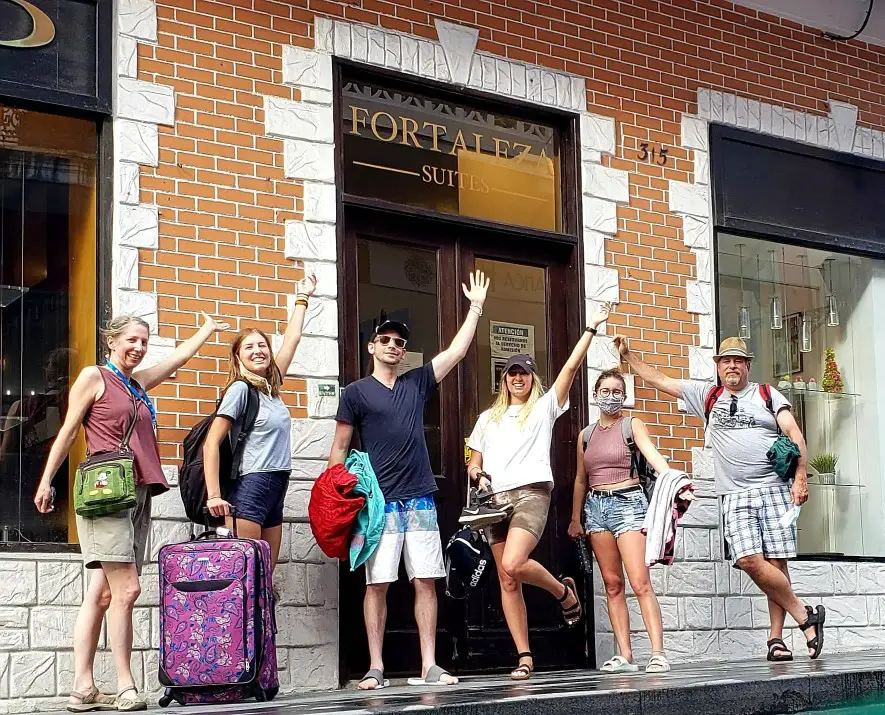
(808, 316)
(47, 306)
(431, 153)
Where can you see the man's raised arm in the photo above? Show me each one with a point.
(652, 376)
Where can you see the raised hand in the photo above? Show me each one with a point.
(306, 285)
(621, 346)
(601, 315)
(479, 287)
(214, 325)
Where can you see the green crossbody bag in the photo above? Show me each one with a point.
(105, 482)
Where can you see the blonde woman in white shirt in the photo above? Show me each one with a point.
(510, 456)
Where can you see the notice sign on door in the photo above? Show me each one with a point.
(509, 339)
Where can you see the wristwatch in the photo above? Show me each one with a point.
(590, 330)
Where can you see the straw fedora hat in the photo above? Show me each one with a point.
(733, 347)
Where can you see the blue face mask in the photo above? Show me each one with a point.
(610, 405)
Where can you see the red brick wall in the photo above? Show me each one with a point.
(223, 197)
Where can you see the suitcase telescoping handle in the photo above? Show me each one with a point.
(211, 534)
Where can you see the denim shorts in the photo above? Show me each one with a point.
(259, 497)
(617, 513)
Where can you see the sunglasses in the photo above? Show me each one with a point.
(387, 339)
(733, 407)
(514, 371)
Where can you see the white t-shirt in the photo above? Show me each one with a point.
(515, 455)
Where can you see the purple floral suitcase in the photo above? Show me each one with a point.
(217, 625)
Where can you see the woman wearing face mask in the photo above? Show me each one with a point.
(613, 515)
(261, 485)
(510, 456)
(104, 400)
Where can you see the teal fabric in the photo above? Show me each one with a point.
(370, 520)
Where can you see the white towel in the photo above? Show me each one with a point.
(669, 500)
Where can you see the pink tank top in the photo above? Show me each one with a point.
(106, 424)
(607, 457)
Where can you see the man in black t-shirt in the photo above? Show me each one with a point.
(388, 412)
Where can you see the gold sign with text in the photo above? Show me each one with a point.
(42, 31)
(450, 158)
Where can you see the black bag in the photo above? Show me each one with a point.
(192, 478)
(639, 466)
(469, 561)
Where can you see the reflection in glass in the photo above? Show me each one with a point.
(805, 344)
(832, 311)
(744, 322)
(777, 313)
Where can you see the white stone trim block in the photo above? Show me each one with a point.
(691, 199)
(307, 470)
(844, 118)
(700, 364)
(138, 19)
(327, 277)
(309, 161)
(697, 232)
(312, 439)
(306, 68)
(594, 248)
(459, 45)
(125, 268)
(127, 56)
(324, 30)
(322, 316)
(145, 101)
(606, 183)
(600, 215)
(298, 120)
(695, 133)
(703, 264)
(320, 202)
(318, 405)
(310, 242)
(128, 182)
(598, 133)
(315, 357)
(701, 167)
(601, 284)
(699, 298)
(137, 141)
(138, 226)
(141, 304)
(706, 331)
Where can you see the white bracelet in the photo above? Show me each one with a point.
(476, 309)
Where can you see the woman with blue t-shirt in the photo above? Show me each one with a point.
(260, 487)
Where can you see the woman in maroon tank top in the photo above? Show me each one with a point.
(103, 400)
(614, 512)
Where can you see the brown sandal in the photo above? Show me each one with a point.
(91, 701)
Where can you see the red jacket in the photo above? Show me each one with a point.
(333, 509)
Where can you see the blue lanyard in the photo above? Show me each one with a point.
(136, 390)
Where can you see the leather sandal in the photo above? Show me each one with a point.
(778, 651)
(130, 705)
(572, 614)
(816, 618)
(523, 671)
(91, 701)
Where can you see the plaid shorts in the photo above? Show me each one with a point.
(751, 523)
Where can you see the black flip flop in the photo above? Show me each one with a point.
(778, 651)
(523, 671)
(816, 618)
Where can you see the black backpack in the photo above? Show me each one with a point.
(469, 561)
(638, 464)
(192, 479)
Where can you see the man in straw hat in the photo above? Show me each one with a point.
(744, 420)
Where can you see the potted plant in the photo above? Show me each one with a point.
(825, 466)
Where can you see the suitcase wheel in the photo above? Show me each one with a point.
(165, 701)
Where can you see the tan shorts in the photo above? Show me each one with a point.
(119, 538)
(530, 507)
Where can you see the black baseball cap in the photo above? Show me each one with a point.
(392, 325)
(526, 362)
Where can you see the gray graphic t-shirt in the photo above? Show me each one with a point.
(740, 441)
